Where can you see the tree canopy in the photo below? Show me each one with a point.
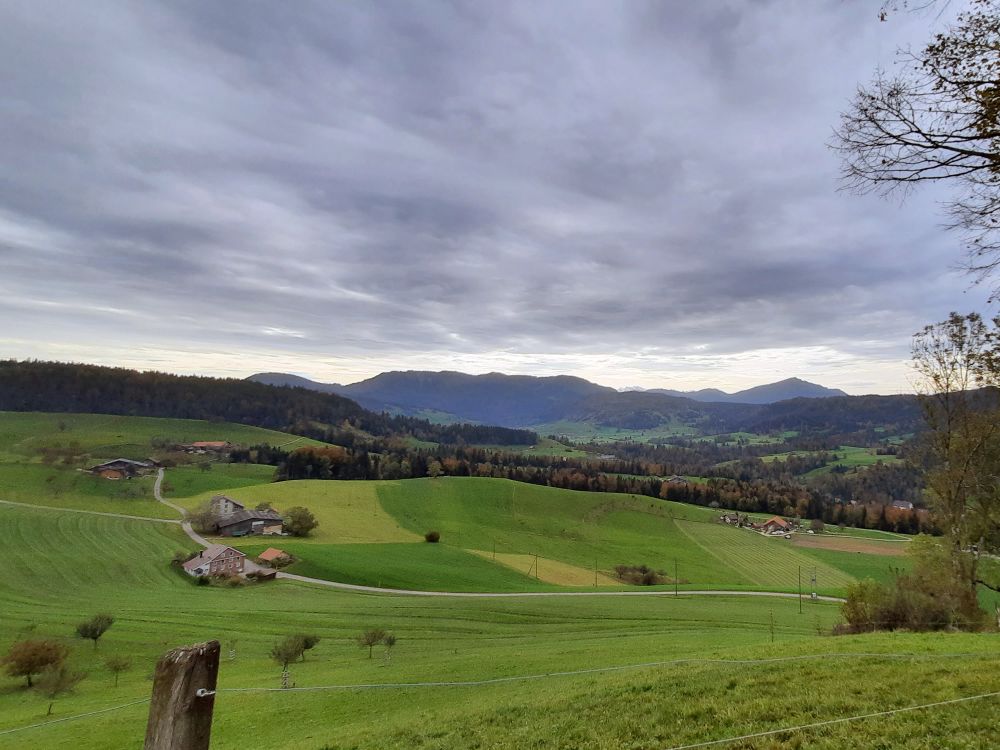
(938, 119)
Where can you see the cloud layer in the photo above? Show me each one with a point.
(638, 193)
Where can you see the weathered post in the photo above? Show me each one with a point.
(180, 711)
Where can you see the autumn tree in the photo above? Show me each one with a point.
(27, 658)
(95, 627)
(957, 363)
(937, 119)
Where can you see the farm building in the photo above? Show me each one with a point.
(216, 559)
(120, 468)
(677, 479)
(223, 505)
(774, 525)
(249, 522)
(902, 504)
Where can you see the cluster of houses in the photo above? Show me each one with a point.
(232, 518)
(773, 526)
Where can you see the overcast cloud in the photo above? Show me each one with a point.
(638, 193)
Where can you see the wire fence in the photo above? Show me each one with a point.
(582, 672)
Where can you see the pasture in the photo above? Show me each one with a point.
(693, 686)
(372, 533)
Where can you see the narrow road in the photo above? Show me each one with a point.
(509, 594)
(186, 525)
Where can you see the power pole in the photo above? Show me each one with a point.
(536, 567)
(180, 710)
(800, 589)
(772, 626)
(675, 577)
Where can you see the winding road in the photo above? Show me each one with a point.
(186, 525)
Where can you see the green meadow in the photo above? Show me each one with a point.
(693, 686)
(589, 672)
(371, 533)
(105, 436)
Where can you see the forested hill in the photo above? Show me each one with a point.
(494, 398)
(61, 387)
(526, 401)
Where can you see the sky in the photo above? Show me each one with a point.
(638, 193)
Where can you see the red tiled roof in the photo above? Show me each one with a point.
(272, 553)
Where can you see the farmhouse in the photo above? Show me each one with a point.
(774, 525)
(902, 504)
(223, 505)
(120, 468)
(215, 560)
(677, 479)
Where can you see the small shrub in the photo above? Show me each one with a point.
(433, 537)
(639, 575)
(201, 581)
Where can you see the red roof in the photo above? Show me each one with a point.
(272, 553)
(777, 520)
(210, 444)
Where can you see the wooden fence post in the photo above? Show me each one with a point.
(180, 711)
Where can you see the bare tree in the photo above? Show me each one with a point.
(371, 638)
(388, 640)
(937, 120)
(56, 680)
(116, 664)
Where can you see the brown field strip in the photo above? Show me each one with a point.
(844, 544)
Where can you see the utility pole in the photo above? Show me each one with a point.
(536, 567)
(800, 589)
(675, 576)
(595, 572)
(772, 626)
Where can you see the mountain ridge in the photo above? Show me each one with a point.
(522, 400)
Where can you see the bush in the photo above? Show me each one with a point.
(931, 597)
(299, 521)
(433, 537)
(639, 575)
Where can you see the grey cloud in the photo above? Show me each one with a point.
(386, 179)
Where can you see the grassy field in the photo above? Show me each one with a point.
(209, 478)
(104, 436)
(849, 457)
(372, 533)
(689, 690)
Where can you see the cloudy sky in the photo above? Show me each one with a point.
(639, 193)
